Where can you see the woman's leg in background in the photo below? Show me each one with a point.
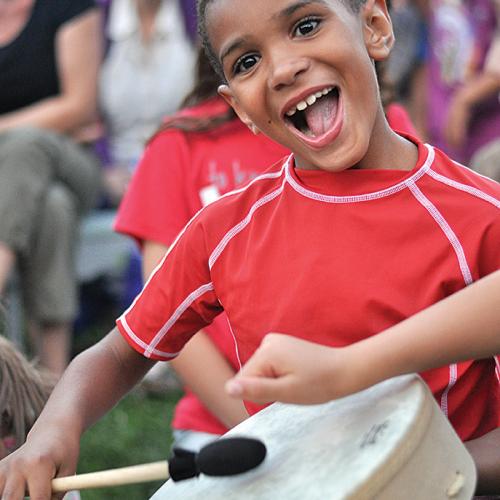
(49, 281)
(32, 163)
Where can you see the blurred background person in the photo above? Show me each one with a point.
(486, 160)
(406, 66)
(463, 109)
(47, 178)
(147, 71)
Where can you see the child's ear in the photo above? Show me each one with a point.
(225, 92)
(379, 36)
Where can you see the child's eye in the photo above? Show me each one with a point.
(245, 63)
(305, 27)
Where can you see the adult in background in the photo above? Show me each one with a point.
(49, 58)
(147, 71)
(463, 112)
(486, 160)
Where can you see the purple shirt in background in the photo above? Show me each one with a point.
(460, 33)
(189, 10)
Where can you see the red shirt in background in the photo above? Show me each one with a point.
(179, 174)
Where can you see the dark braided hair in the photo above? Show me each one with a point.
(387, 90)
(353, 5)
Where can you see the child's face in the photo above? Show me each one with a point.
(280, 56)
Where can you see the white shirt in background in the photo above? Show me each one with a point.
(142, 82)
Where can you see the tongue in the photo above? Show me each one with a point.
(321, 115)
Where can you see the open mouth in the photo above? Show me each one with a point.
(315, 115)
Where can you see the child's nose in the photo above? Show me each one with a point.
(286, 70)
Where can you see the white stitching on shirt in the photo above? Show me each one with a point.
(447, 230)
(176, 315)
(362, 197)
(464, 187)
(142, 344)
(271, 175)
(464, 267)
(242, 224)
(235, 342)
(150, 349)
(452, 381)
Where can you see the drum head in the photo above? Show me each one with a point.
(348, 448)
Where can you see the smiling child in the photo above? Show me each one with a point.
(357, 230)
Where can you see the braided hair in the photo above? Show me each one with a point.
(24, 389)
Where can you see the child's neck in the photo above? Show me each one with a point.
(389, 151)
(386, 151)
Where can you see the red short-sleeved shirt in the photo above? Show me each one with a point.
(333, 258)
(179, 174)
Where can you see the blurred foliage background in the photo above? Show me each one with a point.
(136, 431)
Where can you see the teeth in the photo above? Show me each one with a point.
(309, 101)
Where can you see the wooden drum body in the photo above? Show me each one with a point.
(388, 442)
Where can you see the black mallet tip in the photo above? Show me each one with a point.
(223, 457)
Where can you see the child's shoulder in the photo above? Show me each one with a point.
(267, 182)
(232, 207)
(462, 181)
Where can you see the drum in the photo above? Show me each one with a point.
(388, 442)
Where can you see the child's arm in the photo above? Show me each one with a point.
(92, 384)
(464, 326)
(208, 383)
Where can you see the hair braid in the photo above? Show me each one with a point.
(23, 392)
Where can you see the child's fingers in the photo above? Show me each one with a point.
(40, 473)
(258, 389)
(68, 468)
(14, 487)
(39, 484)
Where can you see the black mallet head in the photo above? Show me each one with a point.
(223, 457)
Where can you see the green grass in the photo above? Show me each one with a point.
(136, 431)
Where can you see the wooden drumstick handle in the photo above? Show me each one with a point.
(114, 477)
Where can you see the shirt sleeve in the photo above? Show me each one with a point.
(489, 256)
(177, 301)
(156, 205)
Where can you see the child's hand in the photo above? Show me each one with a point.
(32, 467)
(291, 370)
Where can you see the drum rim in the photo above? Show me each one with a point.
(403, 450)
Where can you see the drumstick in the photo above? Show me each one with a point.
(224, 457)
(113, 477)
